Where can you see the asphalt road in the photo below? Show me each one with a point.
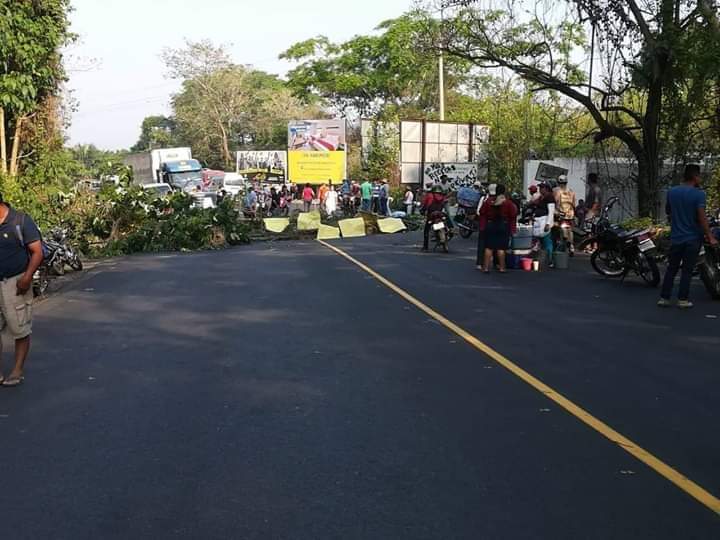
(279, 391)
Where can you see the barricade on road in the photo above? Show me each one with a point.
(352, 228)
(309, 221)
(391, 225)
(327, 232)
(276, 225)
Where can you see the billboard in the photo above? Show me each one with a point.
(429, 150)
(459, 174)
(317, 151)
(263, 165)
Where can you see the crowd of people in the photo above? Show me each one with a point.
(554, 212)
(497, 214)
(350, 197)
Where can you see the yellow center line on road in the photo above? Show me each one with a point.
(688, 486)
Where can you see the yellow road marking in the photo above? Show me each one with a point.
(659, 466)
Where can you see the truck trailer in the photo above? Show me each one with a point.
(173, 166)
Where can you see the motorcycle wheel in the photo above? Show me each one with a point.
(75, 263)
(710, 274)
(465, 232)
(443, 241)
(648, 270)
(608, 262)
(58, 267)
(40, 284)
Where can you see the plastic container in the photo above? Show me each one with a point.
(561, 259)
(512, 261)
(526, 264)
(522, 238)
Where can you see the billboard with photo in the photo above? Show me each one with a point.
(317, 151)
(263, 165)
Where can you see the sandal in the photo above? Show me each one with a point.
(12, 382)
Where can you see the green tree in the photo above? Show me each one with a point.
(380, 74)
(32, 34)
(223, 106)
(156, 132)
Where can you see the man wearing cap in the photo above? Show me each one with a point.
(432, 202)
(446, 187)
(565, 203)
(20, 256)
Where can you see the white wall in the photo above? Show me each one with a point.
(576, 167)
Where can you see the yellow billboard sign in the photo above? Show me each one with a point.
(316, 167)
(317, 151)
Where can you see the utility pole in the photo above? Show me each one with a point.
(441, 60)
(441, 65)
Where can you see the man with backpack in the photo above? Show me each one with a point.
(21, 254)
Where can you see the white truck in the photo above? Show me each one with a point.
(174, 166)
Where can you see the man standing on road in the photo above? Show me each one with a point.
(384, 196)
(685, 208)
(409, 201)
(375, 206)
(308, 196)
(366, 189)
(565, 202)
(20, 256)
(446, 189)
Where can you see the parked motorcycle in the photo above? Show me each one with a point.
(348, 206)
(709, 263)
(58, 253)
(621, 252)
(466, 221)
(466, 217)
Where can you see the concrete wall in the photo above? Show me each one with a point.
(616, 177)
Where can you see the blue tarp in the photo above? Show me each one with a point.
(468, 197)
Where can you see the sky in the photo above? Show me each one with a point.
(117, 77)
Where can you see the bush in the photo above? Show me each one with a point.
(132, 222)
(126, 219)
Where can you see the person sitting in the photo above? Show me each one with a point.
(498, 222)
(433, 202)
(251, 203)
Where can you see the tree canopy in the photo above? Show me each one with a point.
(383, 73)
(649, 66)
(223, 106)
(32, 35)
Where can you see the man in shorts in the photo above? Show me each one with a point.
(20, 256)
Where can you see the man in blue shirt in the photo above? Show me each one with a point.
(686, 211)
(21, 255)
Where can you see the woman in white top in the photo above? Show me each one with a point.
(331, 201)
(409, 201)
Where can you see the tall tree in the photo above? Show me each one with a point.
(223, 106)
(156, 132)
(382, 73)
(32, 34)
(643, 45)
